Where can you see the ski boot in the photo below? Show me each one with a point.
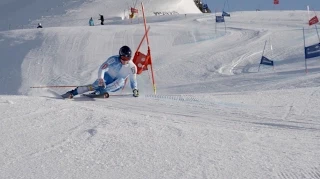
(69, 94)
(98, 93)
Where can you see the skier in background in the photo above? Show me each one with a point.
(111, 76)
(91, 23)
(101, 18)
(39, 25)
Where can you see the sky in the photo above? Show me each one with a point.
(217, 113)
(252, 5)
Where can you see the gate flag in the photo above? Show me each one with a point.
(219, 19)
(266, 61)
(134, 10)
(313, 20)
(275, 1)
(225, 14)
(312, 51)
(143, 60)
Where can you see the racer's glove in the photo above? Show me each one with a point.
(101, 83)
(135, 93)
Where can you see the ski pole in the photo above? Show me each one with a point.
(53, 86)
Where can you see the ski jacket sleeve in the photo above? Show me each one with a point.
(105, 67)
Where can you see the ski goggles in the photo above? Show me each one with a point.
(124, 58)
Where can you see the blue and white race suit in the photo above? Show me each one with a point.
(114, 74)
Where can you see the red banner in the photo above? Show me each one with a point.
(313, 20)
(275, 1)
(133, 10)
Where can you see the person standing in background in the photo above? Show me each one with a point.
(101, 18)
(91, 23)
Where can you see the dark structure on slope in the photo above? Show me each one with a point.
(203, 7)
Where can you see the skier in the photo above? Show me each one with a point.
(101, 18)
(91, 23)
(111, 76)
(39, 25)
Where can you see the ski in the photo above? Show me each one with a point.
(108, 96)
(105, 95)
